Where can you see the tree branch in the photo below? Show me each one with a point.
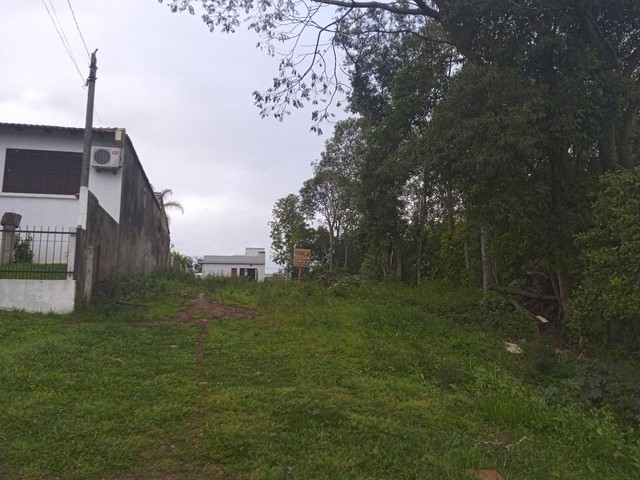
(523, 293)
(424, 10)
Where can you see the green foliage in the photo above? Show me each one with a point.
(196, 262)
(606, 306)
(596, 384)
(512, 107)
(23, 249)
(289, 230)
(180, 261)
(453, 269)
(371, 268)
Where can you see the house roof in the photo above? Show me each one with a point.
(234, 259)
(22, 126)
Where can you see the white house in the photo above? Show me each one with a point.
(116, 226)
(250, 265)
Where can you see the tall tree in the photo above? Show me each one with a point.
(573, 49)
(576, 61)
(289, 229)
(330, 192)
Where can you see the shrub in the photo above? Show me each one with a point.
(22, 250)
(606, 306)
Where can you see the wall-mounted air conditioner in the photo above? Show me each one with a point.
(106, 157)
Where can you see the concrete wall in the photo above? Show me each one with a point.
(144, 231)
(102, 235)
(38, 295)
(137, 241)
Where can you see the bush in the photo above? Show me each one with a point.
(606, 306)
(22, 251)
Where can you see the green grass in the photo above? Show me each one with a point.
(33, 271)
(361, 382)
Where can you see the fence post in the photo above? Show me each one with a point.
(10, 222)
(88, 272)
(71, 255)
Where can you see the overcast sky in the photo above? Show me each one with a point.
(184, 96)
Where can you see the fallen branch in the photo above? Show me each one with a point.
(536, 321)
(523, 293)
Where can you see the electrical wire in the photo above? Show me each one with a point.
(64, 35)
(78, 27)
(64, 44)
(86, 49)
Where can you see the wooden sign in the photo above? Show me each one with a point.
(301, 257)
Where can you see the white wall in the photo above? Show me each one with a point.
(223, 264)
(106, 185)
(55, 210)
(38, 295)
(224, 270)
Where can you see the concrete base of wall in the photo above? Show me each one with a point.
(43, 296)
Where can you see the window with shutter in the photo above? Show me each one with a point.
(40, 171)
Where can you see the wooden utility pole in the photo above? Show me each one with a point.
(86, 149)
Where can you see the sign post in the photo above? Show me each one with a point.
(301, 259)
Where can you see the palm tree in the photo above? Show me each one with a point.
(163, 196)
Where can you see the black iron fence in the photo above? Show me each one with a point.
(37, 253)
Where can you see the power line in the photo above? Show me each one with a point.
(86, 49)
(65, 42)
(64, 35)
(78, 27)
(62, 40)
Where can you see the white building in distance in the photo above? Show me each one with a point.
(250, 265)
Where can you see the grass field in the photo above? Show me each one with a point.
(33, 271)
(347, 382)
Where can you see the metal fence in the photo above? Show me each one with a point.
(37, 253)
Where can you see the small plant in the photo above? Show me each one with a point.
(22, 249)
(179, 261)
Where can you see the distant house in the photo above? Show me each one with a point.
(118, 225)
(250, 265)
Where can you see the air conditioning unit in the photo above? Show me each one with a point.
(106, 157)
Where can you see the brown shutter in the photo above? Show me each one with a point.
(15, 171)
(35, 171)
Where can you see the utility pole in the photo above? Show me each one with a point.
(86, 150)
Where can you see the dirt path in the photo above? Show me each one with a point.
(201, 312)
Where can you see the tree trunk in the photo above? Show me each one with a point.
(384, 258)
(398, 249)
(561, 197)
(346, 252)
(628, 154)
(608, 150)
(563, 289)
(419, 255)
(488, 275)
(331, 248)
(467, 259)
(449, 206)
